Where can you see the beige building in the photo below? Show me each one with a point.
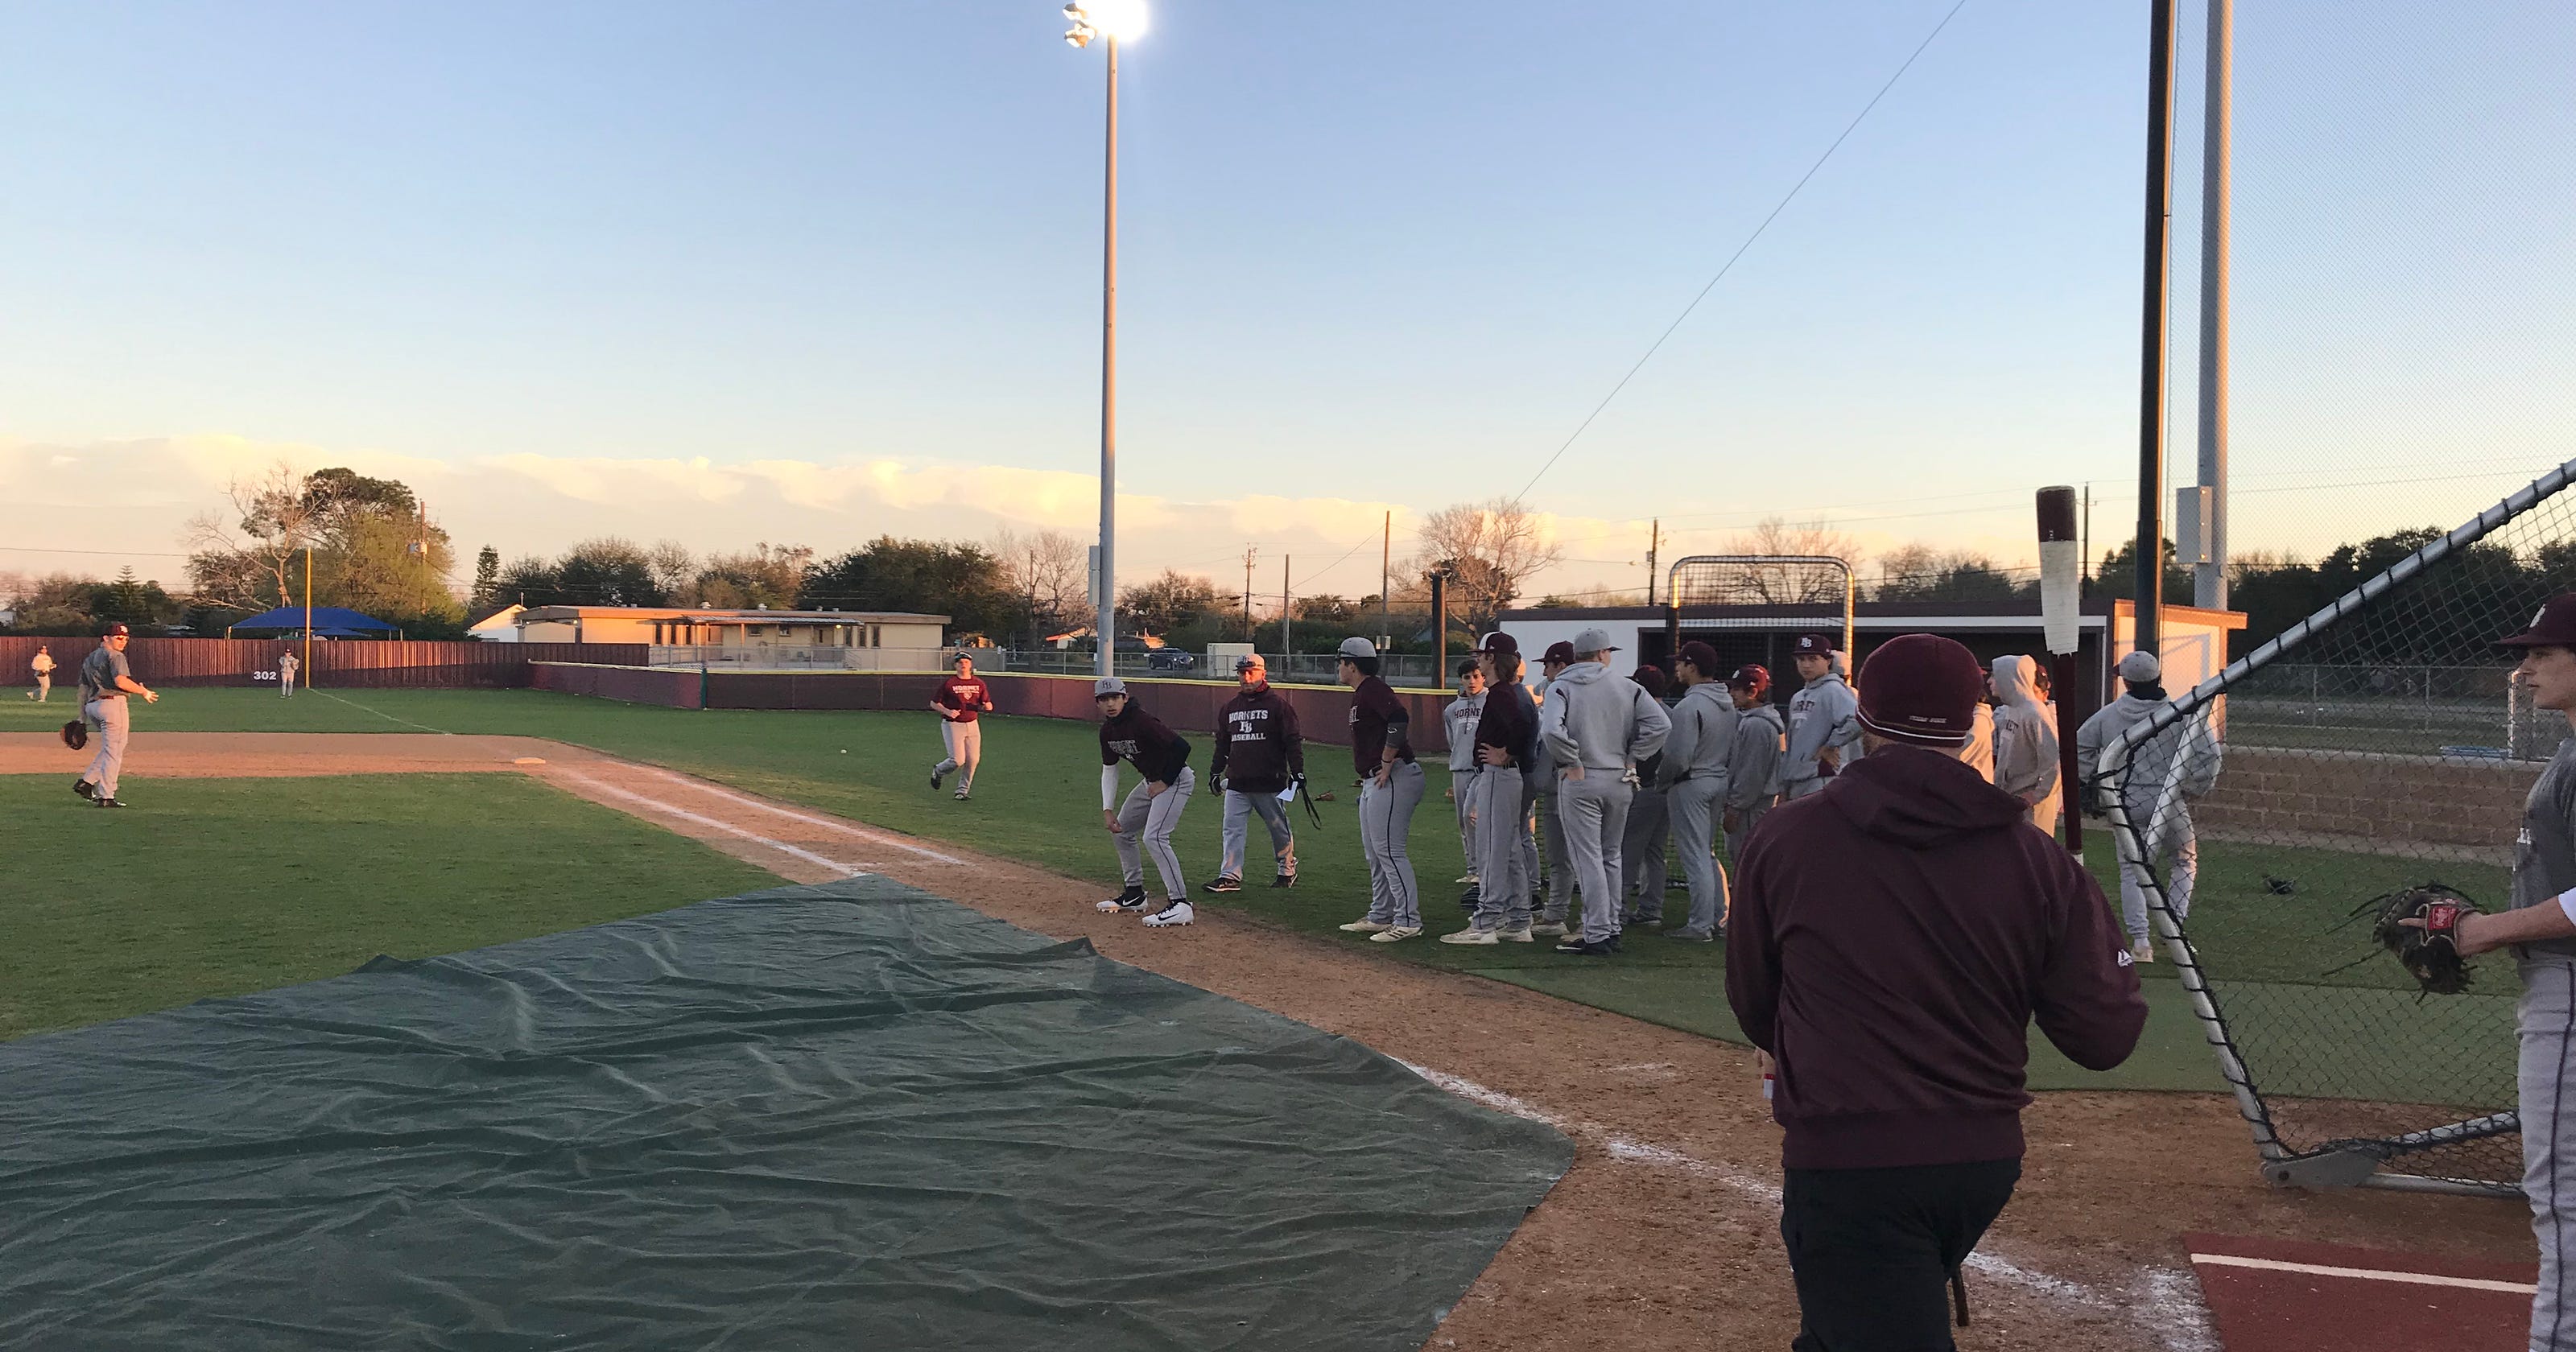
(868, 640)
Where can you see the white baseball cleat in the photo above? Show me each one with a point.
(2143, 950)
(1396, 934)
(1178, 913)
(1472, 936)
(1367, 927)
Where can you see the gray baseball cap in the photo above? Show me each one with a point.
(1358, 647)
(2141, 668)
(1594, 641)
(1108, 685)
(1250, 660)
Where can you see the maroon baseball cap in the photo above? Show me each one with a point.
(1650, 678)
(1814, 645)
(2553, 627)
(1500, 642)
(1701, 656)
(1751, 676)
(1558, 653)
(118, 630)
(1922, 688)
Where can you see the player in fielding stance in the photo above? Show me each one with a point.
(1891, 941)
(1144, 823)
(961, 700)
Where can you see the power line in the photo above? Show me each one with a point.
(1740, 249)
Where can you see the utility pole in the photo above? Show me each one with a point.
(308, 617)
(1287, 654)
(1249, 551)
(1386, 579)
(1654, 541)
(2209, 580)
(1439, 629)
(2152, 328)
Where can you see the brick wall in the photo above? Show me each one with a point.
(2282, 795)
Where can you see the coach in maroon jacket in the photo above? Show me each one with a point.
(1892, 938)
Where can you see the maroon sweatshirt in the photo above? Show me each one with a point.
(1891, 940)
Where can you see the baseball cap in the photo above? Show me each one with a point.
(1500, 642)
(2141, 668)
(1702, 656)
(1814, 645)
(1650, 678)
(2553, 627)
(1106, 686)
(1594, 641)
(117, 631)
(1357, 647)
(1558, 653)
(1250, 660)
(1922, 688)
(1751, 676)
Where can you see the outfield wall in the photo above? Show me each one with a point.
(1323, 712)
(2465, 807)
(347, 664)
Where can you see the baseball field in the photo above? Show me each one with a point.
(275, 842)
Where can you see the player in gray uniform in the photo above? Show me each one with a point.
(42, 665)
(1695, 764)
(1824, 720)
(1459, 722)
(1643, 869)
(1548, 845)
(1598, 727)
(2542, 926)
(2026, 740)
(1753, 767)
(1505, 738)
(2175, 766)
(105, 682)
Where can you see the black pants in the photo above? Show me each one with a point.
(1872, 1250)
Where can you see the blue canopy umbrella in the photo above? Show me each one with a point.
(328, 622)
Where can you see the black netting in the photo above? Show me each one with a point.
(2377, 746)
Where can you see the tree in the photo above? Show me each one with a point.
(1489, 549)
(930, 577)
(607, 571)
(1170, 602)
(2119, 575)
(1048, 578)
(767, 576)
(276, 522)
(1921, 573)
(1776, 537)
(372, 547)
(673, 568)
(487, 580)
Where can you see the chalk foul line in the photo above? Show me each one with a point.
(827, 823)
(657, 805)
(2162, 1299)
(2364, 1274)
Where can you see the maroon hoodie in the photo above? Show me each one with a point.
(1891, 940)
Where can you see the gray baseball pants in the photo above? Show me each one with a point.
(1462, 785)
(1745, 820)
(1240, 808)
(1595, 811)
(1386, 825)
(965, 743)
(2546, 1033)
(1504, 855)
(1694, 805)
(1145, 825)
(107, 718)
(1641, 855)
(1551, 840)
(2180, 876)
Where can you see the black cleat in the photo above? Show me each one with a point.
(1589, 948)
(81, 787)
(1133, 899)
(1284, 880)
(107, 802)
(1223, 883)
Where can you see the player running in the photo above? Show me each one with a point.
(42, 667)
(1144, 823)
(1259, 755)
(962, 699)
(1390, 790)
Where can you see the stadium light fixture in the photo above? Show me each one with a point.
(1116, 20)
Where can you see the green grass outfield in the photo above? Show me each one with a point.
(1038, 799)
(225, 886)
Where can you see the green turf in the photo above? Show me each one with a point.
(1038, 803)
(223, 886)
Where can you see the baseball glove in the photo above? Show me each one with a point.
(76, 734)
(2430, 953)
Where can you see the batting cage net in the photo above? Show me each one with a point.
(2371, 748)
(1752, 607)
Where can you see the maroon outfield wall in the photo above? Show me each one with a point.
(346, 664)
(1323, 712)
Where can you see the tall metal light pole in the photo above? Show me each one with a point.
(2151, 394)
(2209, 580)
(1109, 21)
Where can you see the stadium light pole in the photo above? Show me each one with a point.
(2150, 539)
(1106, 22)
(2209, 580)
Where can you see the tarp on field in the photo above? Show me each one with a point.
(850, 1115)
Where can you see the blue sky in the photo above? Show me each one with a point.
(809, 272)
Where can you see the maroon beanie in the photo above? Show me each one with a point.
(1650, 679)
(1703, 657)
(1922, 688)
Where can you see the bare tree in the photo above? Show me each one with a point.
(1789, 585)
(276, 519)
(1047, 575)
(672, 566)
(1488, 549)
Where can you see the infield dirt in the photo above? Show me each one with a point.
(1663, 1234)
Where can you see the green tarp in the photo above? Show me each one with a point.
(852, 1116)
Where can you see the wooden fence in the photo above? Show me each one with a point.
(346, 664)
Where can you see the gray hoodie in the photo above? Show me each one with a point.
(2185, 755)
(1600, 721)
(1824, 713)
(1459, 719)
(1703, 736)
(2025, 733)
(1753, 767)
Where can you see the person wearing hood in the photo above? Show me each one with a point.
(2176, 765)
(1823, 730)
(1892, 940)
(1753, 765)
(1695, 764)
(1979, 754)
(1260, 754)
(1643, 872)
(1550, 843)
(2026, 740)
(1598, 728)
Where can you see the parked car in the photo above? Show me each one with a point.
(1170, 659)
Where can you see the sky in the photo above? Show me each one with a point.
(808, 273)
